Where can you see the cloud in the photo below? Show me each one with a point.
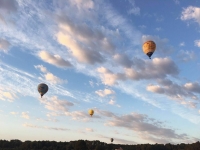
(177, 1)
(186, 56)
(112, 102)
(53, 79)
(44, 127)
(191, 13)
(49, 76)
(197, 43)
(9, 6)
(105, 113)
(56, 105)
(123, 60)
(54, 59)
(108, 77)
(6, 94)
(141, 124)
(81, 115)
(14, 113)
(42, 68)
(4, 45)
(25, 115)
(104, 92)
(83, 4)
(134, 10)
(158, 28)
(159, 68)
(82, 54)
(182, 44)
(89, 129)
(193, 87)
(21, 83)
(174, 90)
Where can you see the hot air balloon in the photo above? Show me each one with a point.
(149, 47)
(91, 112)
(111, 139)
(42, 89)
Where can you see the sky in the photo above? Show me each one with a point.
(89, 53)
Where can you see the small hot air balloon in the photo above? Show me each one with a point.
(149, 47)
(42, 89)
(91, 112)
(111, 139)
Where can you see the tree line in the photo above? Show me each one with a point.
(90, 145)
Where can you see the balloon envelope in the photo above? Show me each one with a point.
(91, 112)
(42, 89)
(111, 139)
(149, 47)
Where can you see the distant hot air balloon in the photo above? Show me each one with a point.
(91, 112)
(42, 89)
(149, 47)
(111, 139)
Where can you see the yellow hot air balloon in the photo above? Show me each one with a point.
(91, 112)
(149, 47)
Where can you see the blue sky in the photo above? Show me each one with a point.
(89, 53)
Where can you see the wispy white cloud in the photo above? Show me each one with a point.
(112, 102)
(54, 59)
(14, 113)
(4, 45)
(191, 13)
(49, 76)
(25, 115)
(177, 1)
(182, 44)
(56, 105)
(197, 43)
(104, 92)
(44, 127)
(21, 83)
(134, 10)
(7, 94)
(53, 79)
(89, 129)
(42, 68)
(158, 29)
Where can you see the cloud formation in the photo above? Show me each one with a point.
(197, 43)
(104, 92)
(56, 105)
(9, 6)
(191, 13)
(186, 56)
(44, 127)
(49, 76)
(134, 10)
(25, 115)
(6, 94)
(157, 68)
(141, 124)
(4, 45)
(54, 59)
(176, 91)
